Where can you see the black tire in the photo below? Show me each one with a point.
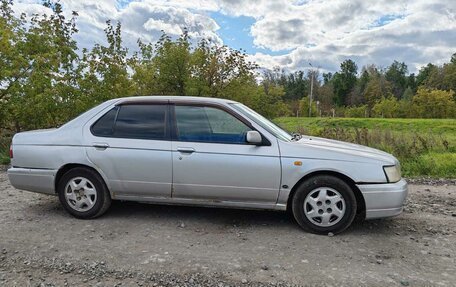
(103, 198)
(311, 185)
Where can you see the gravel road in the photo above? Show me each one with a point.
(148, 245)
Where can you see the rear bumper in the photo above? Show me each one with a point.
(33, 179)
(384, 200)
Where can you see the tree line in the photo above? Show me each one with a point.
(389, 92)
(46, 80)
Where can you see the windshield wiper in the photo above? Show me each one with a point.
(296, 136)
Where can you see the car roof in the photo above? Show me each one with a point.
(153, 98)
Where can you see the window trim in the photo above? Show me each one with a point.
(167, 136)
(174, 135)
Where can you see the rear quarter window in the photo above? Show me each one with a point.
(105, 125)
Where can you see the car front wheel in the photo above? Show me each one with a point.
(83, 193)
(324, 204)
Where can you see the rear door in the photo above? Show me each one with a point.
(212, 161)
(131, 145)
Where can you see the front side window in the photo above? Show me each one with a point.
(209, 124)
(133, 121)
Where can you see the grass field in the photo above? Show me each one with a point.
(425, 147)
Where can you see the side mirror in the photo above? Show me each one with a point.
(254, 137)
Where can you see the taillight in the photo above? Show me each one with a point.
(11, 151)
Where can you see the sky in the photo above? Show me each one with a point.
(293, 35)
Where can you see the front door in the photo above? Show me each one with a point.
(131, 145)
(212, 160)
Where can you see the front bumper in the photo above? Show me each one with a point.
(33, 179)
(385, 199)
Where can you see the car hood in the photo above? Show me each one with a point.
(315, 147)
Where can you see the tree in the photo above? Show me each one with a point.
(408, 94)
(296, 85)
(14, 65)
(434, 103)
(144, 78)
(449, 74)
(386, 107)
(396, 75)
(356, 112)
(218, 67)
(104, 70)
(344, 81)
(356, 96)
(271, 102)
(172, 61)
(363, 80)
(411, 83)
(377, 88)
(304, 107)
(326, 97)
(275, 77)
(37, 62)
(327, 77)
(428, 76)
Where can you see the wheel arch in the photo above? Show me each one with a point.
(69, 166)
(358, 195)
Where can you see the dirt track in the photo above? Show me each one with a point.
(146, 245)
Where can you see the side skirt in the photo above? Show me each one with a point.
(205, 203)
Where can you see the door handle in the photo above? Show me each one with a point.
(185, 149)
(100, 145)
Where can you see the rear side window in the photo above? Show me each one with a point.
(134, 121)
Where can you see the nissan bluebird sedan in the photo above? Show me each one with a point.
(204, 151)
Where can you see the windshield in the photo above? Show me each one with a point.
(263, 122)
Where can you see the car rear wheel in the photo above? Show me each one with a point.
(83, 193)
(324, 204)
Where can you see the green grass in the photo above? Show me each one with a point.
(432, 164)
(425, 147)
(445, 127)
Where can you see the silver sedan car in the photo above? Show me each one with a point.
(204, 151)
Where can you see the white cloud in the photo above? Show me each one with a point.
(140, 20)
(327, 32)
(318, 31)
(145, 20)
(160, 25)
(28, 7)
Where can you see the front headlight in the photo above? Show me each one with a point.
(393, 173)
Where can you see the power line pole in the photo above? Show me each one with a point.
(311, 91)
(311, 94)
(312, 75)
